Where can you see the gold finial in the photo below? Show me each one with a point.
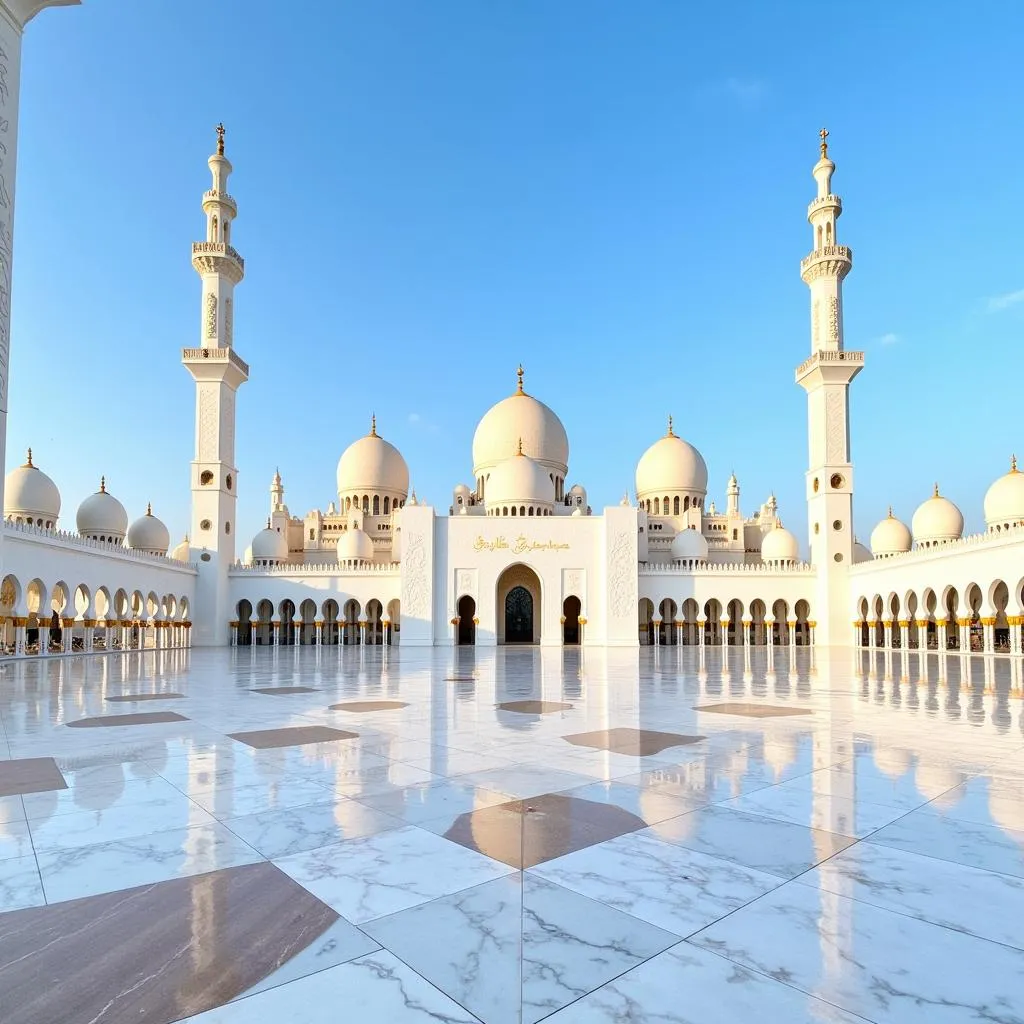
(149, 508)
(103, 485)
(935, 493)
(670, 431)
(890, 512)
(1013, 463)
(373, 424)
(824, 145)
(220, 139)
(268, 522)
(519, 447)
(519, 383)
(29, 463)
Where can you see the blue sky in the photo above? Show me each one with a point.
(612, 193)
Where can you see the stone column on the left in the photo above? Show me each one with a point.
(14, 16)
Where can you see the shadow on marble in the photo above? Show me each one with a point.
(358, 707)
(131, 698)
(145, 953)
(534, 707)
(284, 691)
(20, 884)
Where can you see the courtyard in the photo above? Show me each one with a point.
(513, 834)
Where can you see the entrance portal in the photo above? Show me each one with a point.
(517, 601)
(519, 616)
(467, 627)
(571, 620)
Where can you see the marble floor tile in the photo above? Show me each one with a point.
(668, 886)
(841, 815)
(378, 875)
(299, 735)
(376, 987)
(637, 742)
(282, 832)
(146, 954)
(766, 844)
(534, 707)
(425, 801)
(119, 721)
(863, 783)
(648, 803)
(132, 698)
(358, 782)
(12, 808)
(30, 775)
(930, 832)
(448, 762)
(363, 707)
(689, 985)
(284, 691)
(979, 902)
(90, 827)
(523, 781)
(750, 710)
(884, 966)
(517, 934)
(68, 874)
(20, 884)
(15, 840)
(236, 801)
(987, 800)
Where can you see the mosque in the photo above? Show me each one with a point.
(519, 556)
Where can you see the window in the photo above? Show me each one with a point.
(228, 481)
(311, 535)
(205, 524)
(206, 477)
(735, 534)
(675, 505)
(376, 504)
(366, 504)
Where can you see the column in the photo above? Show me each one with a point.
(769, 633)
(234, 634)
(988, 626)
(746, 632)
(725, 632)
(44, 640)
(964, 638)
(67, 636)
(872, 635)
(89, 635)
(318, 632)
(583, 623)
(20, 622)
(362, 632)
(701, 638)
(656, 623)
(791, 624)
(858, 632)
(922, 635)
(904, 626)
(940, 634)
(887, 626)
(812, 629)
(275, 629)
(297, 625)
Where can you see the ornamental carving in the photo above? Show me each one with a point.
(207, 425)
(211, 315)
(227, 426)
(464, 584)
(622, 578)
(815, 323)
(833, 319)
(835, 427)
(572, 582)
(416, 601)
(229, 322)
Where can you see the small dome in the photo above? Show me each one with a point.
(269, 545)
(520, 417)
(689, 544)
(937, 521)
(183, 551)
(102, 515)
(148, 534)
(779, 545)
(669, 465)
(463, 491)
(890, 537)
(355, 546)
(860, 553)
(892, 761)
(577, 496)
(30, 494)
(520, 480)
(1004, 502)
(372, 465)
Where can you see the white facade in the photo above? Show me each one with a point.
(519, 556)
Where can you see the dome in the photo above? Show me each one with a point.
(372, 465)
(860, 553)
(577, 496)
(355, 546)
(689, 544)
(671, 464)
(520, 480)
(937, 521)
(1004, 502)
(269, 545)
(30, 494)
(894, 762)
(779, 545)
(520, 417)
(148, 534)
(890, 537)
(102, 515)
(183, 551)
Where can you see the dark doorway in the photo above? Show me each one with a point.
(467, 627)
(519, 616)
(571, 625)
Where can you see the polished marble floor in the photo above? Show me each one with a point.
(507, 836)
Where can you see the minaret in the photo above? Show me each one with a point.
(276, 493)
(732, 493)
(218, 372)
(826, 378)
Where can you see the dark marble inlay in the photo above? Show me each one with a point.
(280, 691)
(156, 953)
(30, 775)
(361, 706)
(752, 710)
(534, 707)
(140, 718)
(460, 679)
(131, 697)
(632, 741)
(524, 833)
(295, 736)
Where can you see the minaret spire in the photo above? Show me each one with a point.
(826, 378)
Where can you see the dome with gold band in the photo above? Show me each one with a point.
(1004, 501)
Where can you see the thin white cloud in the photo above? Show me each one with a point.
(997, 303)
(420, 422)
(889, 338)
(747, 93)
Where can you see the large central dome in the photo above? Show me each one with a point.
(520, 417)
(371, 465)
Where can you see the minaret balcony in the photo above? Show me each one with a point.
(216, 364)
(829, 202)
(830, 366)
(214, 196)
(218, 258)
(827, 261)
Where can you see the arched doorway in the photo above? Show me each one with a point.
(518, 605)
(467, 627)
(571, 620)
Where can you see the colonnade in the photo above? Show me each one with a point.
(99, 635)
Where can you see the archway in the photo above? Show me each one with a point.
(307, 631)
(467, 627)
(571, 620)
(645, 615)
(351, 631)
(374, 622)
(286, 611)
(395, 620)
(519, 606)
(332, 632)
(667, 611)
(244, 623)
